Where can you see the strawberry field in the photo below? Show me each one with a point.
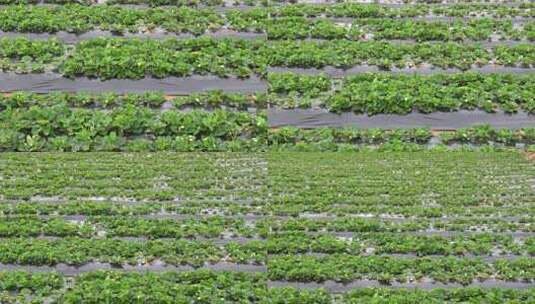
(267, 151)
(96, 227)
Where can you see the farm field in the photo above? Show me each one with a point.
(257, 228)
(267, 151)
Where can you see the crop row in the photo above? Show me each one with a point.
(283, 139)
(79, 251)
(346, 268)
(127, 226)
(109, 122)
(205, 286)
(364, 225)
(416, 7)
(338, 267)
(451, 208)
(258, 208)
(386, 55)
(108, 58)
(415, 2)
(151, 99)
(376, 93)
(340, 138)
(60, 127)
(29, 56)
(101, 208)
(233, 207)
(79, 19)
(177, 3)
(401, 296)
(396, 243)
(222, 227)
(359, 10)
(403, 29)
(201, 286)
(113, 143)
(368, 244)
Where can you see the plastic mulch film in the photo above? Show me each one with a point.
(44, 83)
(314, 118)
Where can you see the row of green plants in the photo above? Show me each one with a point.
(79, 19)
(398, 206)
(288, 136)
(413, 2)
(404, 29)
(347, 268)
(129, 120)
(386, 55)
(382, 93)
(25, 2)
(108, 58)
(92, 208)
(395, 243)
(120, 20)
(200, 286)
(204, 286)
(335, 266)
(289, 208)
(60, 127)
(295, 207)
(79, 251)
(150, 99)
(135, 58)
(66, 129)
(26, 287)
(126, 226)
(27, 56)
(114, 143)
(177, 3)
(359, 10)
(191, 3)
(220, 227)
(403, 296)
(194, 3)
(364, 225)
